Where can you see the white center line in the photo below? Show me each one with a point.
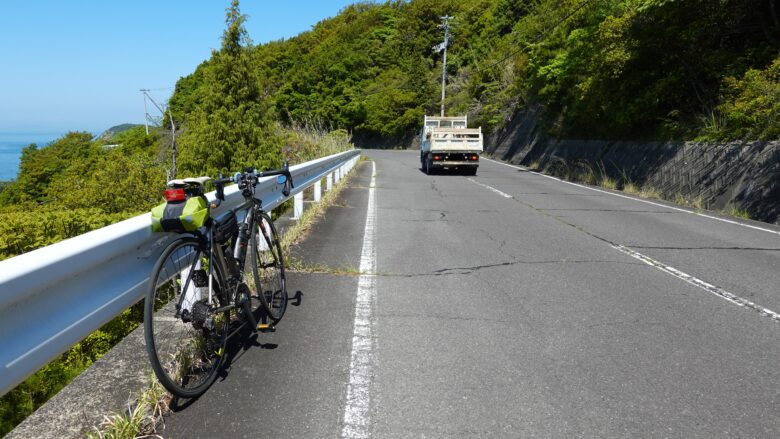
(775, 232)
(718, 291)
(503, 194)
(356, 410)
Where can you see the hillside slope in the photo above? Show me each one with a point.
(610, 69)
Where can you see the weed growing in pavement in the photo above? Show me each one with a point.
(650, 192)
(343, 270)
(608, 182)
(695, 202)
(583, 172)
(630, 188)
(298, 231)
(737, 212)
(142, 417)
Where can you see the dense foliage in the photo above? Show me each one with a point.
(63, 190)
(611, 69)
(77, 184)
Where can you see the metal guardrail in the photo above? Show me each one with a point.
(53, 297)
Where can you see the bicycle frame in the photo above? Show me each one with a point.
(232, 276)
(218, 260)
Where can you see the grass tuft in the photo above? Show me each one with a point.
(608, 182)
(695, 202)
(739, 213)
(650, 192)
(141, 419)
(298, 231)
(630, 188)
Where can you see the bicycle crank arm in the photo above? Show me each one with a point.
(222, 309)
(250, 316)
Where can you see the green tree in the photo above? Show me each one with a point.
(39, 167)
(751, 108)
(230, 127)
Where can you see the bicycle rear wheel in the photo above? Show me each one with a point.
(267, 262)
(185, 338)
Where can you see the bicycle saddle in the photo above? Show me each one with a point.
(191, 181)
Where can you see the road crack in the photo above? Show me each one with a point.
(459, 271)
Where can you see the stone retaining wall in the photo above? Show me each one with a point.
(745, 175)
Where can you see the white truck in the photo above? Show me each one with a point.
(447, 143)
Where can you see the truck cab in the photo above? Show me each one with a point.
(448, 143)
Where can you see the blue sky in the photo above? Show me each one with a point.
(79, 65)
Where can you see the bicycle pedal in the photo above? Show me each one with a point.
(265, 327)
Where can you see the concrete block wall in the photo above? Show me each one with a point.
(745, 175)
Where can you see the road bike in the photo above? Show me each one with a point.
(211, 282)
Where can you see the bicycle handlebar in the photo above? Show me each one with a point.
(252, 175)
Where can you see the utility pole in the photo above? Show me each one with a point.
(439, 48)
(146, 110)
(162, 110)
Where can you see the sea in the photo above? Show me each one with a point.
(11, 145)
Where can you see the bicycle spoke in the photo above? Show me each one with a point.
(185, 339)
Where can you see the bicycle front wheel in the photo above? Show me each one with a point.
(267, 262)
(185, 337)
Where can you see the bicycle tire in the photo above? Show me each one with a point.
(185, 355)
(267, 262)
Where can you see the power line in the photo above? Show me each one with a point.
(147, 118)
(542, 34)
(538, 38)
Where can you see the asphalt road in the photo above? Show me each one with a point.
(511, 304)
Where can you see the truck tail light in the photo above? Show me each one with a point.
(437, 157)
(474, 157)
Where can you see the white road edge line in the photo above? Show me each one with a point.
(720, 292)
(356, 410)
(775, 232)
(503, 194)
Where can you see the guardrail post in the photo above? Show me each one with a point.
(337, 175)
(192, 294)
(317, 191)
(329, 182)
(262, 244)
(298, 206)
